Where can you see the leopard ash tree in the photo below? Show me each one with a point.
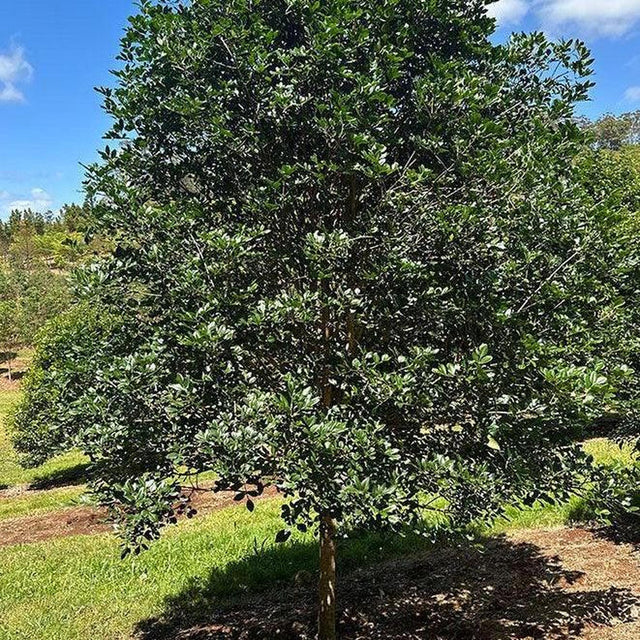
(349, 244)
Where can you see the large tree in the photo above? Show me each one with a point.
(352, 250)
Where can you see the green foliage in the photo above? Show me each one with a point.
(46, 422)
(354, 257)
(36, 252)
(613, 132)
(29, 297)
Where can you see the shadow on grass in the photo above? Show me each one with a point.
(7, 356)
(498, 591)
(61, 477)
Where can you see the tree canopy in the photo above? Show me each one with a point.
(355, 258)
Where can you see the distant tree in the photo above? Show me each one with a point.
(74, 217)
(612, 132)
(354, 258)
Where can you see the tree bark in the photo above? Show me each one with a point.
(327, 590)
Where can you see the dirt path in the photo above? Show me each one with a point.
(75, 521)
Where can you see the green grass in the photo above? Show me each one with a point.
(608, 453)
(78, 588)
(64, 469)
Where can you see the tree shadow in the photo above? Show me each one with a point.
(623, 530)
(501, 590)
(15, 375)
(70, 476)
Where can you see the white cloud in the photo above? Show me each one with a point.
(38, 200)
(632, 94)
(612, 18)
(508, 11)
(14, 71)
(595, 17)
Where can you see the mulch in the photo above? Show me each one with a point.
(532, 585)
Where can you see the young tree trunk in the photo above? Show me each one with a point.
(327, 590)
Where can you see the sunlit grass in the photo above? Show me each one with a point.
(609, 453)
(33, 503)
(78, 588)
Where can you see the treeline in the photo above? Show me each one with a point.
(37, 252)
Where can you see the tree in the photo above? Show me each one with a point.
(612, 132)
(353, 260)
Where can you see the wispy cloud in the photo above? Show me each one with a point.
(37, 200)
(612, 18)
(595, 17)
(508, 11)
(15, 70)
(632, 94)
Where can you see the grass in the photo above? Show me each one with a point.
(28, 504)
(608, 453)
(63, 469)
(77, 588)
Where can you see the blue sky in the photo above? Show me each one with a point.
(53, 52)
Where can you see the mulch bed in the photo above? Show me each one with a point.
(533, 585)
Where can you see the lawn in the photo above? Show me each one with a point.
(78, 588)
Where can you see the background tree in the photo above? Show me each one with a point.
(37, 250)
(612, 132)
(353, 259)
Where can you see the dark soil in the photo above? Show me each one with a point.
(533, 585)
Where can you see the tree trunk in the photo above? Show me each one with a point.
(327, 590)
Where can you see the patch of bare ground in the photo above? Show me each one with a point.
(547, 585)
(87, 520)
(57, 524)
(7, 384)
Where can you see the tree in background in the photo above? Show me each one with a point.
(612, 132)
(37, 250)
(354, 259)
